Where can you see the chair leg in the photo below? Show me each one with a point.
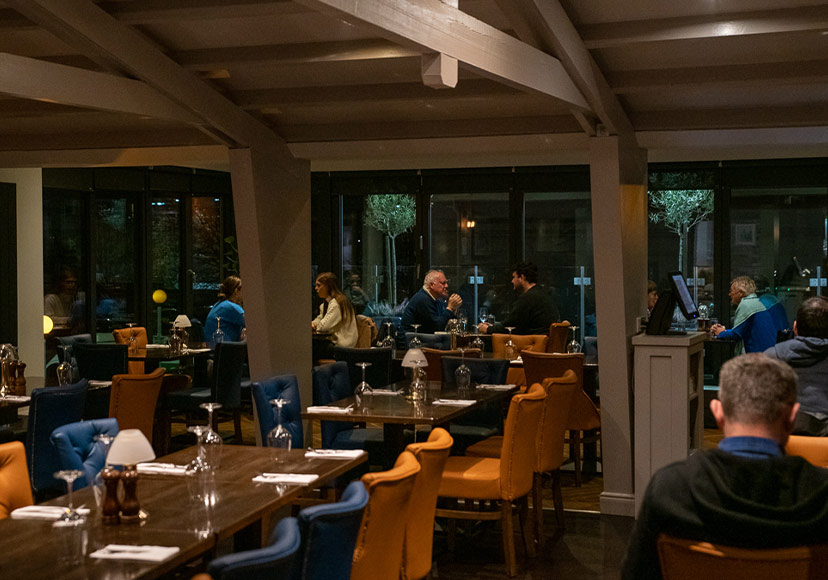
(526, 531)
(575, 434)
(557, 498)
(508, 531)
(537, 507)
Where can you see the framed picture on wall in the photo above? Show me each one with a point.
(744, 234)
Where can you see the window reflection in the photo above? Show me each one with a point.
(165, 262)
(114, 240)
(208, 239)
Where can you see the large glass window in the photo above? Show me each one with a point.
(209, 245)
(165, 259)
(64, 262)
(115, 264)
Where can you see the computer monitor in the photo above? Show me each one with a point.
(683, 297)
(661, 317)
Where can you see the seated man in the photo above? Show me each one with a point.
(758, 318)
(532, 312)
(747, 493)
(428, 305)
(807, 353)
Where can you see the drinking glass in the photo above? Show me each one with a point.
(69, 476)
(98, 485)
(211, 440)
(415, 342)
(483, 314)
(510, 348)
(462, 374)
(389, 341)
(132, 339)
(418, 382)
(218, 335)
(573, 345)
(279, 439)
(477, 343)
(363, 392)
(64, 369)
(199, 464)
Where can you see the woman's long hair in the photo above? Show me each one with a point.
(228, 287)
(331, 283)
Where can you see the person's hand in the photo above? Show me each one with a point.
(313, 326)
(717, 329)
(455, 302)
(483, 327)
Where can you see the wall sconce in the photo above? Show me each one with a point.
(470, 224)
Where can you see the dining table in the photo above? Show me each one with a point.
(187, 511)
(154, 355)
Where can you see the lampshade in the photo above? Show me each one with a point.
(181, 321)
(130, 447)
(413, 354)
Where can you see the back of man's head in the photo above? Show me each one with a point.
(756, 390)
(745, 284)
(812, 317)
(528, 270)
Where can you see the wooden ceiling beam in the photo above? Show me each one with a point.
(148, 11)
(741, 118)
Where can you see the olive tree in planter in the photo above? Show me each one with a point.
(391, 214)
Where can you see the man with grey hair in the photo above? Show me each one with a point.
(428, 306)
(758, 319)
(747, 493)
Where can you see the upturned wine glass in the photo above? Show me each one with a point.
(389, 341)
(462, 374)
(573, 345)
(218, 335)
(210, 439)
(415, 342)
(69, 476)
(418, 382)
(64, 369)
(363, 392)
(199, 463)
(132, 339)
(279, 439)
(510, 348)
(483, 314)
(477, 343)
(98, 486)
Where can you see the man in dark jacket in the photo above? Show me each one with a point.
(532, 312)
(747, 493)
(807, 353)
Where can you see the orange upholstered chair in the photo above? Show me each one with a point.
(813, 449)
(122, 335)
(15, 489)
(534, 342)
(419, 528)
(367, 331)
(379, 548)
(691, 559)
(133, 399)
(434, 370)
(556, 339)
(507, 479)
(550, 446)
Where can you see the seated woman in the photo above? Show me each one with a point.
(227, 313)
(336, 314)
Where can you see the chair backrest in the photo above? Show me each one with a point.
(517, 455)
(133, 399)
(438, 341)
(484, 371)
(366, 330)
(100, 362)
(77, 448)
(419, 527)
(228, 365)
(329, 533)
(68, 342)
(331, 382)
(379, 548)
(434, 370)
(378, 374)
(542, 365)
(279, 387)
(15, 491)
(535, 342)
(556, 339)
(121, 336)
(552, 430)
(690, 559)
(50, 408)
(275, 562)
(813, 449)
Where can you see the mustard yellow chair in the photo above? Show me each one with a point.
(507, 479)
(550, 446)
(379, 547)
(691, 559)
(813, 449)
(366, 331)
(557, 337)
(419, 528)
(15, 489)
(533, 342)
(133, 399)
(434, 370)
(121, 336)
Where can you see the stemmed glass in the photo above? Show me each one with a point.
(132, 339)
(573, 345)
(483, 314)
(462, 374)
(279, 439)
(418, 385)
(389, 340)
(210, 439)
(477, 343)
(98, 486)
(218, 335)
(64, 369)
(363, 392)
(415, 342)
(510, 348)
(69, 476)
(199, 464)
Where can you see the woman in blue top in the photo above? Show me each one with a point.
(230, 312)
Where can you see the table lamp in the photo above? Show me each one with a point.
(129, 448)
(181, 321)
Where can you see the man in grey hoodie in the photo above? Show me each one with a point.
(807, 353)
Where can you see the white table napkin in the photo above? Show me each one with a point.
(43, 512)
(335, 453)
(100, 383)
(496, 387)
(157, 346)
(293, 478)
(454, 402)
(162, 468)
(141, 553)
(16, 398)
(385, 392)
(197, 350)
(517, 361)
(329, 409)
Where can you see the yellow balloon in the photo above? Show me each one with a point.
(159, 296)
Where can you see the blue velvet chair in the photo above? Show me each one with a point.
(439, 341)
(279, 387)
(329, 533)
(275, 562)
(100, 362)
(50, 408)
(77, 448)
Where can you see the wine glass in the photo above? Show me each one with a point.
(483, 314)
(218, 335)
(132, 339)
(64, 369)
(418, 383)
(388, 341)
(573, 345)
(510, 348)
(363, 392)
(462, 374)
(211, 440)
(199, 464)
(98, 485)
(69, 476)
(477, 343)
(279, 439)
(415, 342)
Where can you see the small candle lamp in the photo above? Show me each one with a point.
(129, 448)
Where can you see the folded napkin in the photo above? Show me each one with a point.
(16, 398)
(334, 453)
(294, 478)
(496, 387)
(329, 409)
(140, 553)
(385, 392)
(454, 402)
(100, 383)
(156, 346)
(197, 350)
(517, 361)
(43, 512)
(163, 468)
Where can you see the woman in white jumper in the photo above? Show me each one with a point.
(336, 314)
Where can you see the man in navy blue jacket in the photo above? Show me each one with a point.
(428, 306)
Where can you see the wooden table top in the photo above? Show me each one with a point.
(193, 515)
(142, 354)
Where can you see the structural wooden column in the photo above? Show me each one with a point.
(618, 177)
(272, 201)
